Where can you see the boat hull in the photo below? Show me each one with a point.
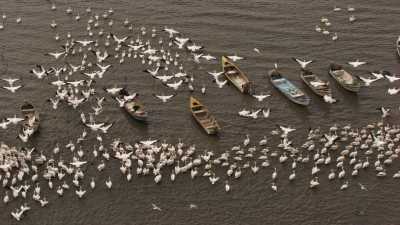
(202, 116)
(344, 79)
(289, 90)
(236, 76)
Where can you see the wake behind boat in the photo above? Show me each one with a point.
(203, 116)
(344, 78)
(316, 84)
(288, 89)
(236, 76)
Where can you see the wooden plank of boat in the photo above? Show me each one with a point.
(203, 117)
(236, 76)
(344, 78)
(315, 83)
(31, 117)
(288, 89)
(136, 110)
(398, 46)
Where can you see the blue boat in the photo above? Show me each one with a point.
(288, 89)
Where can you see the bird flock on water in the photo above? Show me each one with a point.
(336, 156)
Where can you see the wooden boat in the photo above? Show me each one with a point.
(398, 46)
(31, 118)
(288, 89)
(318, 86)
(236, 76)
(345, 79)
(136, 109)
(203, 116)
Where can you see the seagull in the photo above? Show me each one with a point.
(391, 78)
(4, 124)
(286, 130)
(119, 40)
(84, 43)
(17, 214)
(208, 57)
(244, 113)
(266, 112)
(378, 75)
(113, 91)
(261, 97)
(194, 47)
(152, 72)
(235, 57)
(302, 63)
(56, 55)
(257, 50)
(385, 112)
(54, 102)
(220, 84)
(13, 89)
(170, 31)
(164, 98)
(174, 85)
(164, 78)
(39, 73)
(10, 81)
(15, 120)
(155, 207)
(356, 63)
(393, 91)
(216, 74)
(329, 99)
(367, 81)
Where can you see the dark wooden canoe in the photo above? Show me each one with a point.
(203, 116)
(316, 84)
(344, 78)
(288, 89)
(31, 117)
(236, 76)
(136, 110)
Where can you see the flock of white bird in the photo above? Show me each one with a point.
(325, 24)
(344, 151)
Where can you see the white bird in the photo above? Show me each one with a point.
(235, 57)
(174, 85)
(10, 80)
(80, 193)
(13, 89)
(257, 50)
(302, 63)
(392, 78)
(261, 97)
(41, 73)
(357, 63)
(329, 99)
(266, 112)
(170, 31)
(164, 98)
(113, 90)
(155, 207)
(393, 91)
(385, 112)
(56, 55)
(208, 57)
(368, 81)
(109, 183)
(216, 74)
(286, 130)
(119, 40)
(220, 84)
